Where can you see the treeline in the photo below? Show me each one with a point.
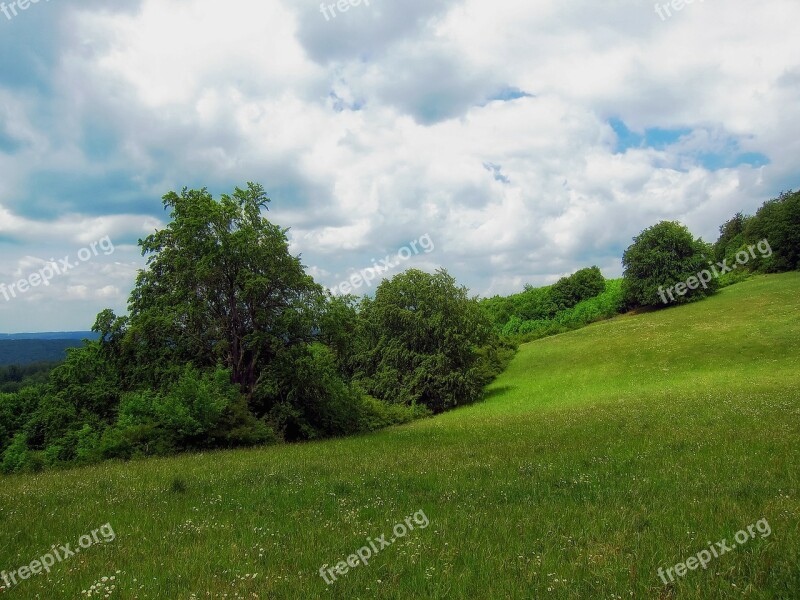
(229, 343)
(21, 352)
(667, 265)
(661, 257)
(571, 303)
(777, 221)
(15, 377)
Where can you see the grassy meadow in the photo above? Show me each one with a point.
(598, 457)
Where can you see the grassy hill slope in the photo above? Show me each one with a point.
(599, 456)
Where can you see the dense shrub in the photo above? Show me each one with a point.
(52, 419)
(309, 397)
(376, 414)
(15, 411)
(16, 456)
(731, 237)
(201, 410)
(661, 257)
(534, 303)
(423, 334)
(777, 221)
(585, 284)
(541, 305)
(608, 304)
(494, 358)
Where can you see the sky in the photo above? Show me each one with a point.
(525, 140)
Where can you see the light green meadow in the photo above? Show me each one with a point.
(598, 457)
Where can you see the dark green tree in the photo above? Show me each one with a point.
(731, 237)
(777, 221)
(220, 288)
(423, 334)
(663, 256)
(580, 286)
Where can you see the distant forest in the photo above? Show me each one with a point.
(24, 352)
(15, 377)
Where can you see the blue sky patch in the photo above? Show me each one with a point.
(496, 171)
(507, 94)
(654, 137)
(729, 157)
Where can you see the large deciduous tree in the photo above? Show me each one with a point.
(220, 288)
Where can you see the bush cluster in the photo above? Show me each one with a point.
(229, 343)
(570, 303)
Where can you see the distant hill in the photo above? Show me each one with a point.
(58, 335)
(27, 348)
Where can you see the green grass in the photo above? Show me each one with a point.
(598, 457)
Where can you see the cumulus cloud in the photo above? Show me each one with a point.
(528, 139)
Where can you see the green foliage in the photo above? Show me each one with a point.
(422, 335)
(220, 288)
(340, 329)
(771, 238)
(310, 398)
(194, 405)
(15, 411)
(494, 358)
(731, 237)
(376, 414)
(52, 419)
(535, 303)
(605, 306)
(13, 378)
(16, 454)
(87, 444)
(585, 284)
(201, 410)
(88, 382)
(540, 307)
(573, 302)
(661, 257)
(777, 221)
(514, 324)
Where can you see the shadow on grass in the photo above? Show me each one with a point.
(498, 391)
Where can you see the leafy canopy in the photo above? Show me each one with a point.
(661, 257)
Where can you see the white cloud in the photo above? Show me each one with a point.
(373, 129)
